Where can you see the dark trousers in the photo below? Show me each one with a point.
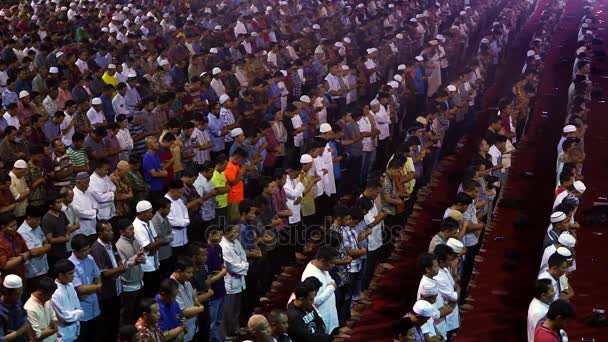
(89, 331)
(109, 319)
(467, 269)
(232, 312)
(128, 304)
(204, 326)
(343, 303)
(166, 267)
(370, 265)
(151, 282)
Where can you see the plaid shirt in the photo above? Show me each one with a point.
(349, 240)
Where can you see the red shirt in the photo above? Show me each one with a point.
(237, 191)
(558, 191)
(543, 334)
(10, 248)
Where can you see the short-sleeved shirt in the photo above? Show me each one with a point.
(215, 261)
(85, 273)
(542, 334)
(170, 314)
(351, 129)
(34, 238)
(237, 192)
(57, 226)
(219, 181)
(152, 162)
(10, 248)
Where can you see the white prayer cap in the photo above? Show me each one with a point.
(224, 98)
(399, 36)
(485, 40)
(456, 245)
(254, 34)
(569, 129)
(374, 102)
(563, 251)
(372, 50)
(418, 16)
(63, 8)
(131, 74)
(23, 94)
(419, 58)
(235, 132)
(360, 6)
(305, 159)
(463, 13)
(217, 27)
(429, 289)
(433, 42)
(414, 20)
(440, 37)
(398, 78)
(496, 23)
(203, 74)
(105, 29)
(305, 99)
(393, 84)
(451, 87)
(585, 25)
(213, 50)
(118, 6)
(339, 44)
(391, 5)
(345, 67)
(53, 70)
(12, 281)
(588, 32)
(163, 62)
(269, 8)
(34, 17)
(316, 27)
(581, 50)
(264, 52)
(423, 308)
(468, 7)
(284, 72)
(59, 54)
(283, 2)
(115, 18)
(112, 66)
(557, 217)
(530, 53)
(579, 186)
(537, 57)
(324, 128)
(422, 120)
(166, 15)
(401, 67)
(20, 164)
(96, 101)
(143, 206)
(346, 40)
(216, 71)
(567, 240)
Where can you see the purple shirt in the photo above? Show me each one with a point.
(215, 261)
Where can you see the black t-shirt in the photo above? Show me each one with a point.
(199, 278)
(58, 226)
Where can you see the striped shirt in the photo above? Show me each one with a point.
(78, 157)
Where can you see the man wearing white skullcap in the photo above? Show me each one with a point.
(420, 314)
(14, 317)
(565, 239)
(145, 235)
(436, 324)
(571, 195)
(560, 224)
(569, 131)
(557, 266)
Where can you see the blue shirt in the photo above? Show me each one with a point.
(419, 81)
(85, 273)
(247, 236)
(9, 97)
(215, 127)
(107, 108)
(12, 317)
(170, 315)
(334, 154)
(152, 162)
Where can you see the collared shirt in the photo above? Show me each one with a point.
(219, 181)
(85, 273)
(179, 219)
(144, 235)
(170, 315)
(34, 237)
(152, 162)
(235, 260)
(132, 278)
(215, 127)
(536, 312)
(85, 206)
(556, 284)
(470, 239)
(106, 258)
(102, 189)
(203, 186)
(543, 334)
(349, 239)
(13, 317)
(40, 316)
(73, 219)
(67, 137)
(185, 294)
(164, 233)
(95, 117)
(228, 119)
(66, 304)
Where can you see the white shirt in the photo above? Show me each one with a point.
(95, 117)
(383, 121)
(317, 169)
(293, 189)
(329, 181)
(125, 141)
(40, 317)
(366, 126)
(435, 321)
(236, 263)
(202, 138)
(66, 305)
(544, 263)
(67, 137)
(374, 240)
(298, 139)
(82, 66)
(102, 190)
(144, 235)
(496, 155)
(325, 301)
(536, 311)
(85, 206)
(554, 282)
(447, 291)
(12, 120)
(178, 217)
(119, 104)
(218, 87)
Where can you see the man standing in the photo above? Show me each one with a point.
(154, 174)
(12, 314)
(164, 234)
(55, 226)
(558, 266)
(102, 189)
(65, 302)
(146, 237)
(552, 329)
(539, 306)
(178, 217)
(40, 315)
(420, 314)
(37, 266)
(304, 322)
(19, 188)
(186, 297)
(560, 224)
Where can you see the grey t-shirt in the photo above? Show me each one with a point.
(351, 130)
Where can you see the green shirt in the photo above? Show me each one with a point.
(78, 157)
(219, 181)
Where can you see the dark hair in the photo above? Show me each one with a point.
(34, 212)
(303, 289)
(425, 260)
(63, 266)
(245, 206)
(167, 286)
(46, 285)
(442, 252)
(182, 263)
(194, 248)
(145, 305)
(77, 137)
(100, 224)
(6, 219)
(463, 198)
(565, 176)
(275, 314)
(560, 308)
(162, 203)
(556, 260)
(469, 185)
(327, 253)
(220, 158)
(79, 242)
(341, 211)
(564, 207)
(239, 152)
(449, 224)
(541, 287)
(126, 333)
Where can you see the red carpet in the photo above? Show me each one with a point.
(590, 281)
(504, 284)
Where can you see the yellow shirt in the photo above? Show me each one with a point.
(108, 79)
(308, 200)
